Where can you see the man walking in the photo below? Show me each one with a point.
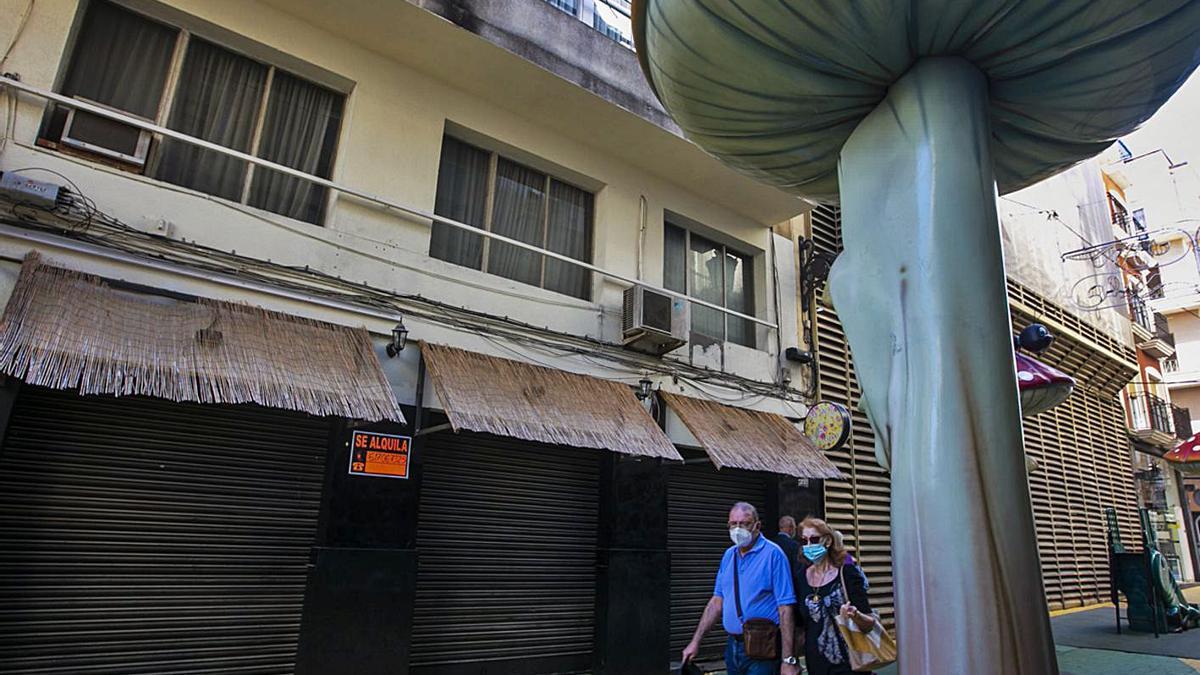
(764, 579)
(786, 539)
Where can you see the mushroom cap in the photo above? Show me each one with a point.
(1042, 387)
(773, 88)
(1187, 453)
(1188, 450)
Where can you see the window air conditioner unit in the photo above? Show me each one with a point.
(105, 136)
(654, 323)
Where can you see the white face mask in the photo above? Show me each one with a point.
(740, 536)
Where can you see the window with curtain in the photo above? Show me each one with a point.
(125, 60)
(496, 194)
(706, 270)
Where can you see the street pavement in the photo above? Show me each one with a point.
(1087, 643)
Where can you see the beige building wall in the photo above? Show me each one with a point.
(410, 78)
(1056, 216)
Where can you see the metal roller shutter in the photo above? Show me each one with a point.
(144, 536)
(506, 543)
(1081, 447)
(698, 501)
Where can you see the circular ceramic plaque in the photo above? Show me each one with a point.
(827, 424)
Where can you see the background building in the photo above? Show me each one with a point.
(1163, 195)
(158, 533)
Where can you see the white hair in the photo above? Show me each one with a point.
(746, 506)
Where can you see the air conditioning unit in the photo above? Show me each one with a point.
(653, 322)
(105, 136)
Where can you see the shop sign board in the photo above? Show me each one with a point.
(379, 455)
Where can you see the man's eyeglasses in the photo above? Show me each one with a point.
(815, 539)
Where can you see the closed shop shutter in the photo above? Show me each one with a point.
(1081, 448)
(698, 501)
(144, 536)
(506, 545)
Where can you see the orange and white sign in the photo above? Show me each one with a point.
(379, 455)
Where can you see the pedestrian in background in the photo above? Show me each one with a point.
(829, 585)
(754, 581)
(786, 539)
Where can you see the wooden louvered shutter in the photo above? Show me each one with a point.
(1082, 452)
(1080, 446)
(859, 507)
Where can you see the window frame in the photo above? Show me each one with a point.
(725, 249)
(494, 157)
(183, 37)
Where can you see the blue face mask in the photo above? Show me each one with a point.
(814, 552)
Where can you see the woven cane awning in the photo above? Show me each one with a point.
(520, 400)
(749, 439)
(69, 330)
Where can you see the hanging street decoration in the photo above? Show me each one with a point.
(1158, 248)
(828, 425)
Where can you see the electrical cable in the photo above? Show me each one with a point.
(77, 216)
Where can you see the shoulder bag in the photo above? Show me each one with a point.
(868, 651)
(761, 636)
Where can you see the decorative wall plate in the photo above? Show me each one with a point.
(827, 424)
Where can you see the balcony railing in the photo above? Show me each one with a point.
(1171, 363)
(1150, 413)
(1182, 417)
(1139, 312)
(1121, 220)
(1162, 329)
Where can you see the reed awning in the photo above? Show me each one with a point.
(748, 439)
(534, 403)
(70, 330)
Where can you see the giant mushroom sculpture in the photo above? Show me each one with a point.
(912, 113)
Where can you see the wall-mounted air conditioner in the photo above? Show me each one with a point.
(654, 323)
(105, 136)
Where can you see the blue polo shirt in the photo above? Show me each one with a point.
(765, 578)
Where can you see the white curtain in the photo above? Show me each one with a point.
(462, 196)
(739, 296)
(675, 257)
(569, 232)
(706, 269)
(300, 132)
(217, 99)
(120, 60)
(518, 212)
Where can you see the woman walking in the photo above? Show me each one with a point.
(820, 598)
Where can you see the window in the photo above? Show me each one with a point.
(493, 193)
(123, 60)
(709, 271)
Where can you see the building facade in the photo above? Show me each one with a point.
(1164, 199)
(362, 271)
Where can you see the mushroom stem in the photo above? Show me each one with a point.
(921, 286)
